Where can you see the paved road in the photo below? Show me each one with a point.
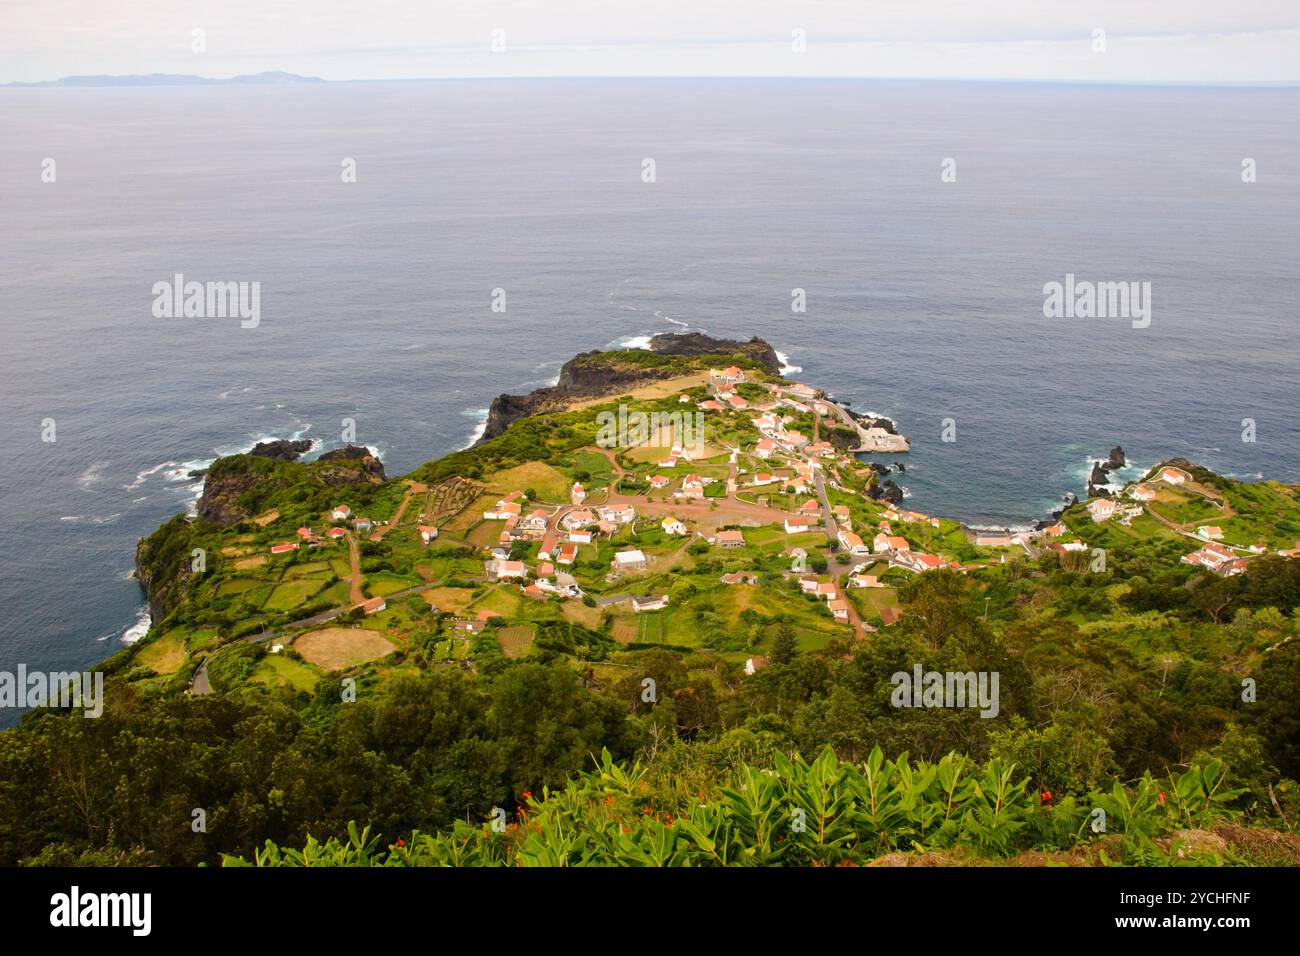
(200, 685)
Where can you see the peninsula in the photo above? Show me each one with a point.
(722, 584)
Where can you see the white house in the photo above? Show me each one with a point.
(1102, 509)
(853, 543)
(917, 561)
(649, 603)
(630, 560)
(621, 515)
(578, 519)
(503, 568)
(692, 487)
(673, 526)
(502, 511)
(727, 376)
(890, 542)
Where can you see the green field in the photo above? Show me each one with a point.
(277, 669)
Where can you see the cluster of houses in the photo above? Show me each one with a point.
(692, 486)
(560, 541)
(310, 539)
(826, 591)
(343, 514)
(899, 552)
(547, 579)
(1216, 557)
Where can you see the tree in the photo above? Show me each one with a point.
(784, 648)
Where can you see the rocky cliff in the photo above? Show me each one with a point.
(235, 487)
(595, 374)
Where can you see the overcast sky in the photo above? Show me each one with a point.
(1198, 41)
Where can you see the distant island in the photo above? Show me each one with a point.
(268, 78)
(675, 589)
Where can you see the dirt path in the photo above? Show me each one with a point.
(414, 489)
(841, 577)
(354, 556)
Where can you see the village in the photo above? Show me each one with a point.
(751, 501)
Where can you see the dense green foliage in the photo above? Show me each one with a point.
(423, 750)
(827, 812)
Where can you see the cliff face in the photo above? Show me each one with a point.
(595, 374)
(223, 501)
(235, 488)
(162, 566)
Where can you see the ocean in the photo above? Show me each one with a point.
(924, 297)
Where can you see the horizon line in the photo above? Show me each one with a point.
(1208, 84)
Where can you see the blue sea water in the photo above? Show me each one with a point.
(924, 298)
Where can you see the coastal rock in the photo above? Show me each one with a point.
(282, 449)
(697, 343)
(594, 374)
(1068, 501)
(1100, 474)
(886, 491)
(350, 465)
